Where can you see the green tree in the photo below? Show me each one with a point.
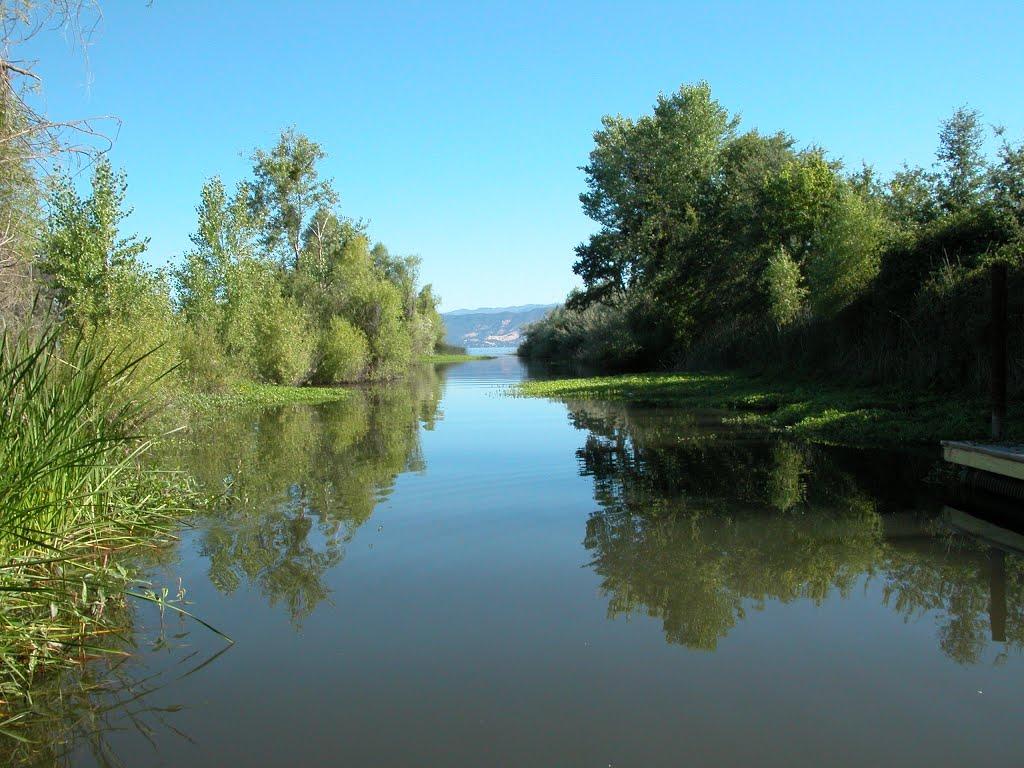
(431, 331)
(962, 166)
(93, 269)
(323, 243)
(287, 191)
(646, 181)
(224, 237)
(402, 271)
(847, 255)
(910, 197)
(375, 306)
(800, 203)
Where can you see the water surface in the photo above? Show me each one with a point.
(434, 573)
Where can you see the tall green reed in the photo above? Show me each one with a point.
(77, 505)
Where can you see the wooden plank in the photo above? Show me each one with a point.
(1001, 460)
(1006, 451)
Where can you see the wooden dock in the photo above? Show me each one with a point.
(999, 459)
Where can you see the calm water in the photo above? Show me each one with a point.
(434, 573)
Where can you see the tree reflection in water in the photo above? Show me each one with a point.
(697, 530)
(300, 481)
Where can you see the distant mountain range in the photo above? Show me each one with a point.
(492, 326)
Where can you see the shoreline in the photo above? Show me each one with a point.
(816, 412)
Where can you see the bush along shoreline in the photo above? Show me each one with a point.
(719, 249)
(279, 287)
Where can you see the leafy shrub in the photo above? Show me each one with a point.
(609, 337)
(205, 366)
(391, 349)
(786, 292)
(284, 343)
(141, 325)
(344, 353)
(442, 348)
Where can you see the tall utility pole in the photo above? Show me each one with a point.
(999, 333)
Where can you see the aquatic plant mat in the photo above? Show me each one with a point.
(807, 410)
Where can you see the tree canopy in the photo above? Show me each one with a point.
(722, 247)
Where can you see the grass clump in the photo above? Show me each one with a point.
(77, 507)
(811, 411)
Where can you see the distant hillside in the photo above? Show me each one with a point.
(498, 310)
(492, 326)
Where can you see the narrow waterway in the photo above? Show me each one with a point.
(434, 573)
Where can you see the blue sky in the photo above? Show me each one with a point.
(457, 129)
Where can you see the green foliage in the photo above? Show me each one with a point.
(846, 260)
(283, 352)
(375, 306)
(205, 365)
(223, 240)
(800, 202)
(221, 288)
(645, 183)
(101, 287)
(344, 353)
(146, 327)
(95, 272)
(76, 500)
(287, 190)
(963, 167)
(449, 349)
(280, 285)
(612, 336)
(738, 250)
(428, 330)
(786, 292)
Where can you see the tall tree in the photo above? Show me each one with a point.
(287, 191)
(646, 181)
(224, 236)
(87, 260)
(962, 166)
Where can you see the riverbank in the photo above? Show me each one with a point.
(807, 410)
(255, 394)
